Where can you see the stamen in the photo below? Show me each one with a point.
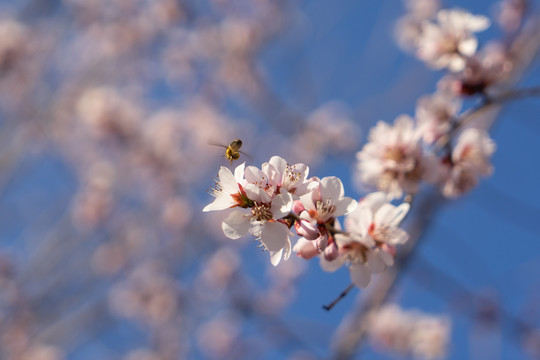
(261, 212)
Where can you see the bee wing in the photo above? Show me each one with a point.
(216, 144)
(246, 155)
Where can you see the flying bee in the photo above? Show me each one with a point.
(232, 151)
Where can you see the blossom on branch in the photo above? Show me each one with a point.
(368, 244)
(393, 160)
(317, 212)
(450, 41)
(470, 159)
(434, 115)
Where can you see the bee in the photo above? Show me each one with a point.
(232, 151)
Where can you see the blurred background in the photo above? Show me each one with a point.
(107, 110)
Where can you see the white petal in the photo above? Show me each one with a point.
(468, 46)
(307, 201)
(235, 225)
(332, 188)
(275, 257)
(374, 262)
(239, 172)
(387, 257)
(331, 266)
(375, 200)
(281, 205)
(400, 213)
(252, 174)
(222, 202)
(227, 181)
(344, 206)
(274, 236)
(389, 215)
(399, 236)
(257, 194)
(279, 163)
(360, 275)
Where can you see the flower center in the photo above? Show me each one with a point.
(394, 153)
(356, 252)
(325, 207)
(291, 175)
(261, 212)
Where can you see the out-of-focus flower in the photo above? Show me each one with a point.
(409, 27)
(434, 115)
(13, 42)
(422, 9)
(108, 113)
(430, 337)
(368, 245)
(217, 337)
(393, 160)
(483, 71)
(409, 332)
(328, 129)
(470, 159)
(95, 200)
(148, 295)
(450, 41)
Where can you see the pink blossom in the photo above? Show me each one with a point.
(320, 208)
(393, 160)
(368, 245)
(447, 43)
(434, 115)
(470, 159)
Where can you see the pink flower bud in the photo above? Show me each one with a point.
(306, 249)
(331, 252)
(306, 229)
(298, 207)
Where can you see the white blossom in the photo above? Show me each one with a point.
(368, 245)
(228, 191)
(393, 160)
(447, 43)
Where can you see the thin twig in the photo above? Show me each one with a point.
(338, 299)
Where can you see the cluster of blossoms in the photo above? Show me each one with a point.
(410, 332)
(271, 201)
(437, 146)
(398, 158)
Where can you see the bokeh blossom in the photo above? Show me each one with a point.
(393, 160)
(450, 41)
(470, 160)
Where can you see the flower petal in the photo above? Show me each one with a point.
(235, 225)
(239, 172)
(331, 266)
(282, 205)
(374, 262)
(227, 181)
(274, 236)
(221, 202)
(360, 275)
